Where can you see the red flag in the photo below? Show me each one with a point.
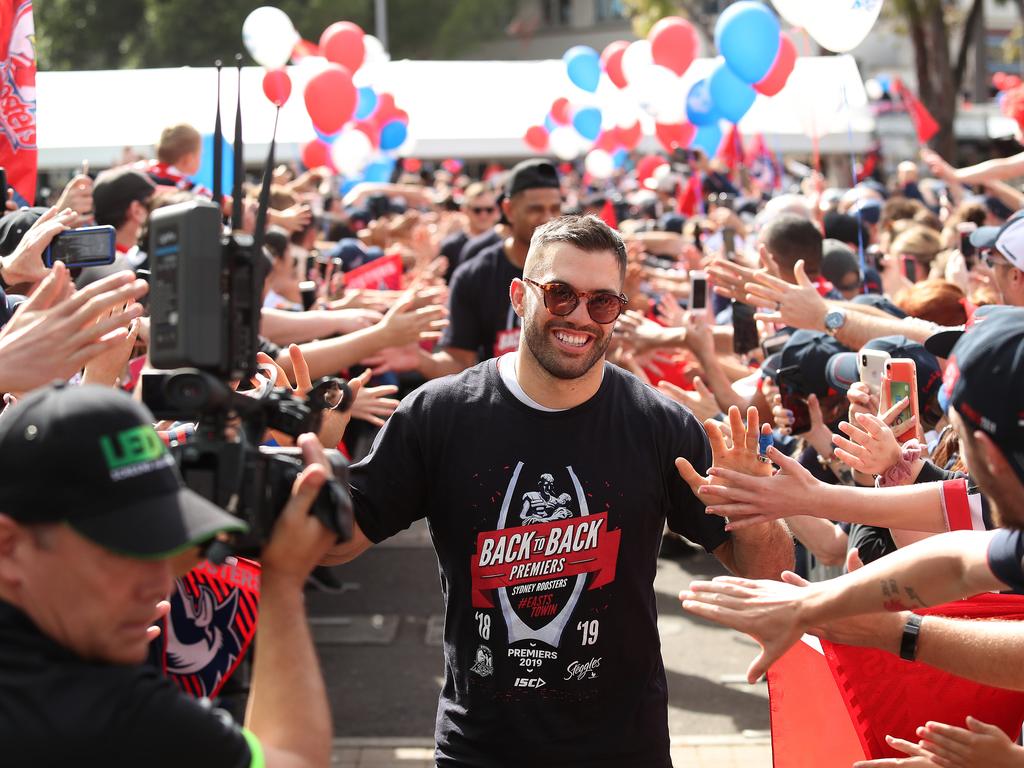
(922, 119)
(607, 214)
(18, 98)
(385, 272)
(690, 196)
(868, 679)
(810, 724)
(731, 151)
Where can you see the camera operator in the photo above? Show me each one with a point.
(86, 566)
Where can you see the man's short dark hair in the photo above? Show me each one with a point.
(790, 238)
(588, 233)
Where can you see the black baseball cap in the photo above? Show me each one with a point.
(982, 381)
(941, 342)
(116, 189)
(14, 225)
(89, 456)
(842, 370)
(811, 351)
(531, 174)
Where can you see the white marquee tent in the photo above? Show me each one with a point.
(464, 109)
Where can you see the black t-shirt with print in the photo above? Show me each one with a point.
(59, 710)
(547, 527)
(480, 315)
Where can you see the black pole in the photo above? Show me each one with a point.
(236, 189)
(264, 204)
(218, 148)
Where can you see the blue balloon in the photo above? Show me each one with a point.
(732, 96)
(379, 170)
(348, 184)
(619, 157)
(204, 175)
(885, 81)
(393, 135)
(700, 107)
(366, 103)
(587, 122)
(747, 35)
(326, 138)
(708, 139)
(583, 64)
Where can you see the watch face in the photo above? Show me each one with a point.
(834, 320)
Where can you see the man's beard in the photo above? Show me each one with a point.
(538, 340)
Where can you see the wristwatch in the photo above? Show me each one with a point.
(834, 320)
(908, 643)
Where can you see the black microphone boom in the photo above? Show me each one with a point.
(218, 146)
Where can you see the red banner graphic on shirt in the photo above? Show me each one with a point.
(532, 553)
(385, 272)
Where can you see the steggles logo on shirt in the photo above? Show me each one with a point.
(539, 567)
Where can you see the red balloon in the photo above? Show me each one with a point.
(536, 138)
(385, 111)
(316, 154)
(630, 137)
(371, 130)
(608, 140)
(412, 165)
(400, 115)
(783, 65)
(330, 98)
(611, 62)
(277, 87)
(674, 136)
(561, 112)
(645, 167)
(342, 43)
(674, 43)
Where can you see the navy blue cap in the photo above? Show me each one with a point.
(982, 381)
(811, 351)
(878, 301)
(869, 209)
(672, 222)
(842, 370)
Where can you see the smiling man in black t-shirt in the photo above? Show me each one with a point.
(546, 476)
(481, 321)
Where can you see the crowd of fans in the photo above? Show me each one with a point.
(822, 274)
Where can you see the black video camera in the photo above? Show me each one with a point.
(204, 302)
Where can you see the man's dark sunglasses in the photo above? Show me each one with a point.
(561, 299)
(479, 209)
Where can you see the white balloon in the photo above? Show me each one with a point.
(375, 53)
(565, 143)
(874, 89)
(351, 151)
(269, 37)
(661, 94)
(635, 59)
(842, 25)
(599, 164)
(796, 12)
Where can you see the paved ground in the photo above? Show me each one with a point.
(379, 644)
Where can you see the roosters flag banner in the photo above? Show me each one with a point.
(18, 98)
(211, 625)
(880, 694)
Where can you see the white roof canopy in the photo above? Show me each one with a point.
(464, 109)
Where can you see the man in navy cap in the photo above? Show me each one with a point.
(482, 323)
(1003, 251)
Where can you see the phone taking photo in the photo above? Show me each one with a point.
(744, 328)
(965, 229)
(898, 382)
(82, 247)
(871, 367)
(699, 290)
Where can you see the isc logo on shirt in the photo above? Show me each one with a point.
(529, 682)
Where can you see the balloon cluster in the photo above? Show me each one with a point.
(358, 129)
(612, 90)
(836, 25)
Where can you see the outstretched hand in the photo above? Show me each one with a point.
(870, 445)
(799, 306)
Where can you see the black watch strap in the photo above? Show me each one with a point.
(908, 643)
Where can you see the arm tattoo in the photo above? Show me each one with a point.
(891, 593)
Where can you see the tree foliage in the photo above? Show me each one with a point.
(119, 34)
